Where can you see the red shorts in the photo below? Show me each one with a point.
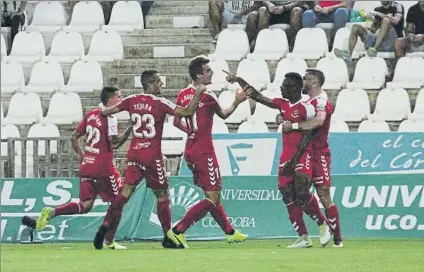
(153, 169)
(205, 170)
(304, 166)
(106, 187)
(321, 168)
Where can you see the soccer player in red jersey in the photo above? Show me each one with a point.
(313, 81)
(98, 174)
(294, 178)
(144, 158)
(200, 153)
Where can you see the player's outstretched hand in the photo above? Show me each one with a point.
(287, 126)
(279, 119)
(241, 95)
(232, 78)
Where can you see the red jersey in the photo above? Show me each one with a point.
(147, 114)
(325, 4)
(296, 113)
(98, 155)
(321, 103)
(201, 122)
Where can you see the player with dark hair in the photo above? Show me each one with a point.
(312, 83)
(294, 178)
(98, 174)
(145, 159)
(200, 153)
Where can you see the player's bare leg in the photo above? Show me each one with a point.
(332, 214)
(296, 216)
(113, 215)
(164, 215)
(310, 206)
(220, 216)
(48, 213)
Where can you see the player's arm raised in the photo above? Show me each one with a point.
(313, 123)
(194, 103)
(111, 110)
(240, 97)
(249, 90)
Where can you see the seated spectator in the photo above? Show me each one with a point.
(386, 28)
(13, 16)
(275, 12)
(230, 12)
(327, 12)
(414, 40)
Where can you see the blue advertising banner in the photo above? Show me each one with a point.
(352, 153)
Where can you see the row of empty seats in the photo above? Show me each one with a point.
(272, 44)
(67, 46)
(370, 73)
(47, 77)
(49, 16)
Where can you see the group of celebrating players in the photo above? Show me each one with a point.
(305, 159)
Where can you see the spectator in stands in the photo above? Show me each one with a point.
(13, 16)
(327, 12)
(145, 8)
(386, 28)
(275, 12)
(414, 40)
(230, 12)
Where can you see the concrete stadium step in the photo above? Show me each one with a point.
(135, 39)
(130, 81)
(186, 9)
(178, 21)
(170, 32)
(170, 51)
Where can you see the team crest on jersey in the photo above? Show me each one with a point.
(182, 197)
(295, 114)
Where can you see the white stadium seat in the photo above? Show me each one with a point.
(352, 105)
(311, 43)
(12, 76)
(99, 52)
(49, 16)
(43, 131)
(253, 125)
(254, 71)
(335, 72)
(46, 77)
(2, 112)
(173, 147)
(27, 47)
(126, 16)
(86, 76)
(271, 44)
(87, 16)
(219, 81)
(391, 105)
(67, 46)
(11, 131)
(411, 126)
(370, 73)
(232, 44)
(3, 46)
(338, 126)
(64, 108)
(418, 113)
(24, 109)
(226, 98)
(373, 126)
(287, 65)
(219, 126)
(341, 41)
(264, 113)
(408, 73)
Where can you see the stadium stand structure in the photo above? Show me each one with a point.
(45, 82)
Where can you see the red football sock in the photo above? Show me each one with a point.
(334, 221)
(196, 212)
(114, 211)
(111, 230)
(221, 218)
(164, 215)
(296, 218)
(312, 209)
(68, 209)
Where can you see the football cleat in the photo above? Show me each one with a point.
(43, 220)
(168, 243)
(302, 242)
(115, 245)
(338, 243)
(178, 239)
(237, 237)
(324, 234)
(100, 237)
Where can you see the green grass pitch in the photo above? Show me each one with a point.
(254, 255)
